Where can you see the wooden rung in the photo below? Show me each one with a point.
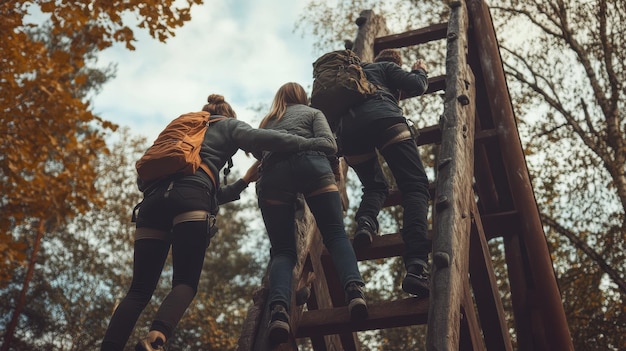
(389, 314)
(383, 246)
(429, 135)
(413, 37)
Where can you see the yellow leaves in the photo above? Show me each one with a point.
(47, 6)
(50, 137)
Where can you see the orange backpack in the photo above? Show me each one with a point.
(176, 151)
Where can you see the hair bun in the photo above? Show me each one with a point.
(215, 99)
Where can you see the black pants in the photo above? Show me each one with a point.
(404, 162)
(188, 241)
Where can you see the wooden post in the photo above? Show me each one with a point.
(371, 26)
(453, 194)
(545, 289)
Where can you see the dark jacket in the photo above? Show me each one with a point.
(391, 79)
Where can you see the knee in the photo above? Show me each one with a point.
(416, 185)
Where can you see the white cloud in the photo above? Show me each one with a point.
(242, 49)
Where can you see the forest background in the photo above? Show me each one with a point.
(67, 182)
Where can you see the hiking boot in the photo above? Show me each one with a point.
(278, 328)
(146, 345)
(417, 279)
(366, 229)
(356, 302)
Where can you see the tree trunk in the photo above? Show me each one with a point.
(21, 301)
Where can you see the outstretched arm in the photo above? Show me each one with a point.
(233, 191)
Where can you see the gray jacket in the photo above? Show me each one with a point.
(304, 121)
(223, 139)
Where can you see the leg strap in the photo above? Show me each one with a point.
(394, 134)
(194, 216)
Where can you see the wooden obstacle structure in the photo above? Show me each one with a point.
(482, 191)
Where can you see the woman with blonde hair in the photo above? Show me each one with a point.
(180, 213)
(284, 176)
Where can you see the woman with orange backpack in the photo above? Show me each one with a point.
(179, 213)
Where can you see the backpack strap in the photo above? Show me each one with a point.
(207, 170)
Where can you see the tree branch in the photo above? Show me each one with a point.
(581, 245)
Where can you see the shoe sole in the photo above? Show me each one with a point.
(415, 287)
(362, 239)
(278, 332)
(143, 345)
(357, 309)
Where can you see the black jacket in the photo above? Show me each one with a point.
(391, 79)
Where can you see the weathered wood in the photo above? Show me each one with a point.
(251, 324)
(371, 26)
(349, 340)
(454, 190)
(486, 293)
(321, 298)
(412, 37)
(389, 314)
(470, 333)
(548, 306)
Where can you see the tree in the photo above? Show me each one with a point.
(51, 138)
(566, 79)
(572, 97)
(85, 268)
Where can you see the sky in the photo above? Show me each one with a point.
(242, 49)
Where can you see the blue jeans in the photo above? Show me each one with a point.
(282, 181)
(188, 241)
(405, 164)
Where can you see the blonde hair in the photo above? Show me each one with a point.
(389, 55)
(288, 93)
(216, 105)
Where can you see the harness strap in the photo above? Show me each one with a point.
(193, 216)
(394, 134)
(150, 233)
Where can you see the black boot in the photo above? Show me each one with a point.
(366, 229)
(356, 302)
(417, 279)
(278, 328)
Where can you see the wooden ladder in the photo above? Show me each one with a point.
(482, 192)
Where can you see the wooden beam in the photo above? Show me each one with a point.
(486, 293)
(413, 37)
(541, 270)
(470, 334)
(389, 314)
(349, 340)
(454, 194)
